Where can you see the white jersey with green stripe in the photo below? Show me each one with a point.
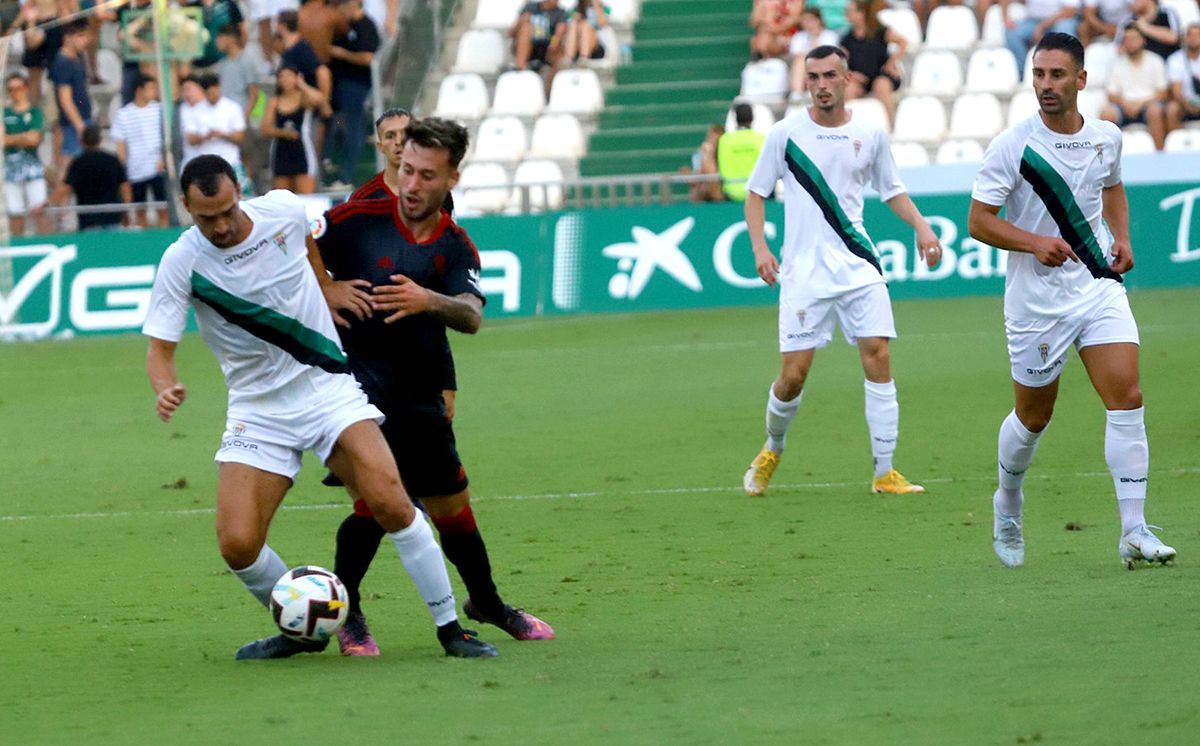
(258, 304)
(1052, 185)
(826, 250)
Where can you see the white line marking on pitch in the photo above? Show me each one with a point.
(567, 495)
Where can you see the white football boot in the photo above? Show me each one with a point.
(1139, 544)
(1008, 538)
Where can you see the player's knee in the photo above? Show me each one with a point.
(239, 547)
(790, 383)
(389, 503)
(1128, 397)
(1035, 420)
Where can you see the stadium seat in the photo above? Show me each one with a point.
(542, 181)
(1023, 105)
(951, 27)
(480, 51)
(1138, 142)
(1091, 101)
(910, 154)
(1187, 10)
(1185, 140)
(497, 14)
(904, 22)
(462, 97)
(519, 93)
(557, 136)
(624, 12)
(870, 109)
(919, 119)
(936, 73)
(485, 187)
(502, 139)
(576, 92)
(976, 115)
(992, 71)
(992, 34)
(763, 119)
(959, 151)
(1098, 59)
(766, 80)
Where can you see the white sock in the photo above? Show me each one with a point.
(422, 559)
(260, 577)
(1128, 455)
(779, 418)
(883, 422)
(1015, 454)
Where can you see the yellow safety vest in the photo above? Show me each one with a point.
(737, 152)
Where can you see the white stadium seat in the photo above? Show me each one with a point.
(1098, 60)
(1138, 142)
(501, 139)
(762, 122)
(951, 27)
(992, 71)
(485, 187)
(910, 154)
(519, 93)
(1023, 105)
(959, 151)
(557, 136)
(870, 109)
(462, 97)
(576, 92)
(992, 34)
(1187, 10)
(542, 180)
(1185, 140)
(976, 115)
(766, 80)
(904, 22)
(919, 119)
(497, 14)
(480, 51)
(624, 12)
(936, 73)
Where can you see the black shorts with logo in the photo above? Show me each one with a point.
(425, 452)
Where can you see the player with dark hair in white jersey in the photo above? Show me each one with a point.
(829, 269)
(1057, 176)
(244, 268)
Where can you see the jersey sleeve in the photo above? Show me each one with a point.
(998, 175)
(329, 234)
(884, 177)
(1114, 174)
(170, 297)
(462, 267)
(769, 168)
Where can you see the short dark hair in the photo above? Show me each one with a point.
(205, 171)
(141, 80)
(289, 19)
(209, 80)
(813, 11)
(91, 136)
(230, 29)
(78, 26)
(433, 132)
(16, 75)
(1063, 42)
(1132, 26)
(392, 113)
(189, 79)
(743, 114)
(827, 50)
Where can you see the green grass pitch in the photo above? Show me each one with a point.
(606, 455)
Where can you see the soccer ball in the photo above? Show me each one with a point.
(309, 603)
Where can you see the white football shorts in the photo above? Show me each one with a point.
(22, 196)
(1038, 348)
(273, 434)
(807, 323)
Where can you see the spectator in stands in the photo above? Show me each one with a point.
(583, 32)
(188, 116)
(1137, 87)
(132, 69)
(812, 34)
(288, 124)
(833, 12)
(352, 53)
(263, 14)
(1101, 19)
(538, 36)
(41, 45)
(69, 75)
(96, 177)
(236, 71)
(737, 152)
(1043, 16)
(873, 69)
(773, 22)
(137, 131)
(24, 177)
(1183, 77)
(704, 161)
(222, 128)
(319, 22)
(295, 52)
(1159, 26)
(217, 14)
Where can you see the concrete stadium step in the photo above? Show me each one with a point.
(684, 135)
(665, 160)
(690, 49)
(677, 8)
(658, 115)
(668, 70)
(676, 92)
(691, 26)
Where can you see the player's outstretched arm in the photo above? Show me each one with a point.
(929, 246)
(985, 224)
(756, 217)
(1116, 215)
(462, 312)
(160, 366)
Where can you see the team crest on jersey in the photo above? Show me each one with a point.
(1044, 351)
(239, 428)
(857, 147)
(1100, 151)
(280, 240)
(800, 316)
(318, 227)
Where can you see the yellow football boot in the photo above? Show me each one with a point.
(762, 468)
(894, 483)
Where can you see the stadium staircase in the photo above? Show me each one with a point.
(687, 58)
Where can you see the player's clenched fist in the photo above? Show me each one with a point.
(1053, 251)
(169, 400)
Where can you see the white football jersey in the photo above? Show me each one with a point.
(258, 304)
(826, 251)
(1051, 185)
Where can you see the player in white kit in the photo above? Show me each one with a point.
(830, 269)
(244, 268)
(1057, 175)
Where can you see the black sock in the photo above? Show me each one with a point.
(449, 631)
(357, 541)
(469, 556)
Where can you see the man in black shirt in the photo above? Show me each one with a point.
(296, 52)
(422, 274)
(351, 56)
(97, 178)
(1159, 24)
